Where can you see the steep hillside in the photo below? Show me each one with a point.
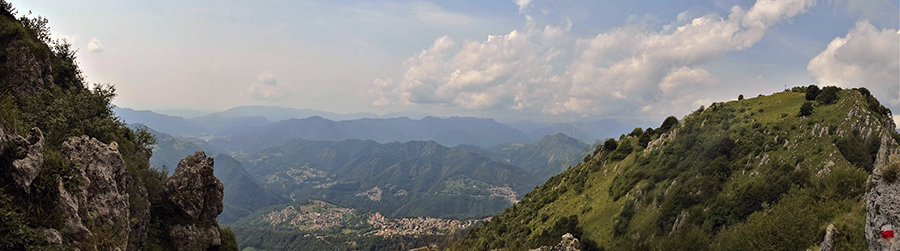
(169, 124)
(767, 173)
(545, 158)
(73, 176)
(242, 194)
(416, 178)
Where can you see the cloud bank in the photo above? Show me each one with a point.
(865, 57)
(541, 70)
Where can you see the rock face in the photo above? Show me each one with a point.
(568, 243)
(28, 156)
(197, 195)
(100, 196)
(828, 243)
(26, 71)
(883, 199)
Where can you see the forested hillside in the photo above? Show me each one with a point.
(765, 173)
(416, 178)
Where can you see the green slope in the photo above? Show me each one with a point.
(545, 158)
(242, 194)
(741, 175)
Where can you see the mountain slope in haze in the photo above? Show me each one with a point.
(416, 178)
(587, 132)
(545, 158)
(242, 194)
(164, 123)
(450, 131)
(275, 113)
(767, 173)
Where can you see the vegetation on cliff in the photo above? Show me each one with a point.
(42, 87)
(750, 174)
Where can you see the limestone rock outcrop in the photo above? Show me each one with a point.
(197, 196)
(568, 243)
(28, 156)
(883, 199)
(101, 193)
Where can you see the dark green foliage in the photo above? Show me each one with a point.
(741, 97)
(609, 145)
(812, 92)
(620, 224)
(622, 151)
(636, 132)
(800, 89)
(892, 169)
(806, 109)
(668, 124)
(62, 109)
(646, 137)
(229, 242)
(859, 152)
(828, 95)
(722, 146)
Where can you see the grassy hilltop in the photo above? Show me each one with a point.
(765, 173)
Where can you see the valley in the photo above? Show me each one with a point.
(307, 186)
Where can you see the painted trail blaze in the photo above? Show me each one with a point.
(887, 231)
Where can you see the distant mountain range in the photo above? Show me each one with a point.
(246, 119)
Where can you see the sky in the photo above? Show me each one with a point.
(513, 60)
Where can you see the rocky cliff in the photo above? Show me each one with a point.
(94, 207)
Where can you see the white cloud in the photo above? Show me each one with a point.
(544, 70)
(267, 88)
(524, 5)
(94, 45)
(865, 57)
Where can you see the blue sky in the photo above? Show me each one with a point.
(509, 60)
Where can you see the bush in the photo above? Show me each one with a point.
(610, 145)
(667, 124)
(741, 97)
(890, 171)
(806, 109)
(812, 92)
(828, 95)
(636, 132)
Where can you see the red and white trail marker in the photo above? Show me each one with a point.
(887, 231)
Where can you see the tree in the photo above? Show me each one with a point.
(668, 124)
(806, 109)
(741, 97)
(811, 92)
(610, 145)
(828, 95)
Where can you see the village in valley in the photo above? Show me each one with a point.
(315, 215)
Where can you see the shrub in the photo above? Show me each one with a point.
(741, 97)
(828, 95)
(667, 124)
(610, 145)
(812, 92)
(806, 109)
(636, 132)
(890, 171)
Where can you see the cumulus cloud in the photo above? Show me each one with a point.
(94, 45)
(267, 88)
(865, 57)
(543, 70)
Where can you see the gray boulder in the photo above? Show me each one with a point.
(197, 196)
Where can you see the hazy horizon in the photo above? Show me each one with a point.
(507, 60)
